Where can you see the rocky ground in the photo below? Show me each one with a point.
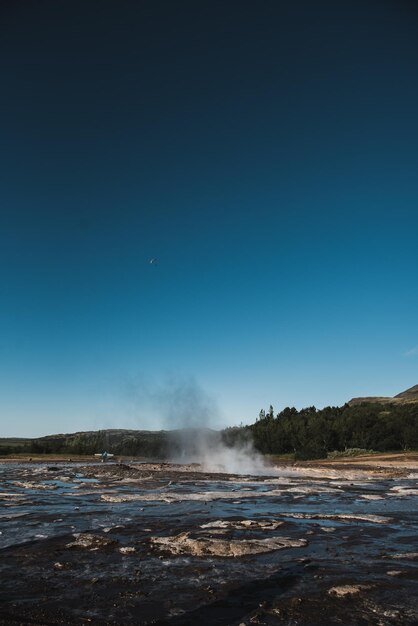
(124, 543)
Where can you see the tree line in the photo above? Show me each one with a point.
(119, 443)
(307, 434)
(312, 433)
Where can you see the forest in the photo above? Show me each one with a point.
(309, 433)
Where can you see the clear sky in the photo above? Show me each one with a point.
(265, 153)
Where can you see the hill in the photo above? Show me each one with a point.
(405, 397)
(121, 442)
(410, 395)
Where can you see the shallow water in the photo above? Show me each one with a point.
(155, 513)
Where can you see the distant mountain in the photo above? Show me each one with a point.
(410, 395)
(405, 397)
(150, 444)
(157, 444)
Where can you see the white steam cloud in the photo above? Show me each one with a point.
(191, 415)
(208, 448)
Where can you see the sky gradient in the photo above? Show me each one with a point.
(265, 153)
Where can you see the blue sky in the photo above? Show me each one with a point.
(266, 154)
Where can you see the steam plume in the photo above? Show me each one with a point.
(191, 415)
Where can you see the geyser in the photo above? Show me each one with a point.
(207, 447)
(191, 415)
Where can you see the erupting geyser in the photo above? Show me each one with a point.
(207, 448)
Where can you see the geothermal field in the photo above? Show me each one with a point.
(141, 543)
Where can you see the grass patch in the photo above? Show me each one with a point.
(337, 454)
(276, 458)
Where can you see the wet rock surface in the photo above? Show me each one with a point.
(170, 545)
(203, 546)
